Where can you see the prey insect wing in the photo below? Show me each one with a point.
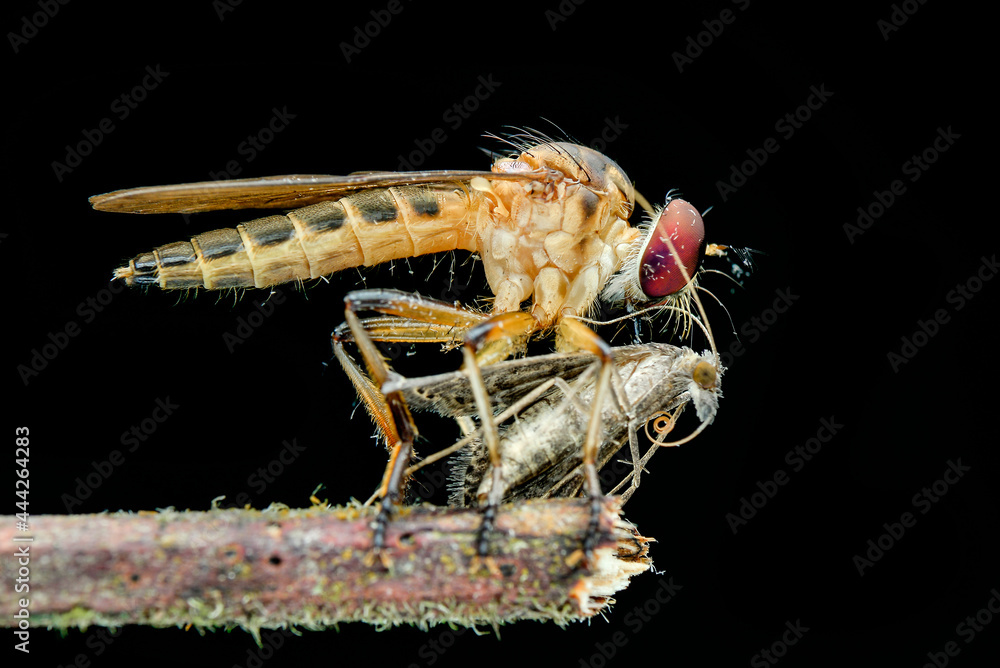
(450, 395)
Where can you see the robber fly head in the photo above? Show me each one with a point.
(662, 266)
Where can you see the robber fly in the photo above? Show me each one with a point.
(550, 224)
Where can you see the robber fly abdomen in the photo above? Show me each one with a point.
(364, 229)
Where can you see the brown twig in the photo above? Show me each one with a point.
(311, 567)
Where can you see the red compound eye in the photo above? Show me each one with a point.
(659, 275)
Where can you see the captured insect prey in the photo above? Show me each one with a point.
(551, 398)
(542, 452)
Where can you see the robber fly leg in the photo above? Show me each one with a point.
(398, 424)
(574, 334)
(497, 337)
(370, 395)
(408, 318)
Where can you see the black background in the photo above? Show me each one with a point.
(826, 358)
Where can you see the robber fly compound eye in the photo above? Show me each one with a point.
(659, 275)
(660, 271)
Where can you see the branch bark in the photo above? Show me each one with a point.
(312, 567)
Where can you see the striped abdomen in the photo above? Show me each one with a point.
(366, 228)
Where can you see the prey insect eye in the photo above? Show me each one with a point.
(659, 275)
(704, 374)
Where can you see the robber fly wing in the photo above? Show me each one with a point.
(273, 192)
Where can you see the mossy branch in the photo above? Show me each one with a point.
(312, 567)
